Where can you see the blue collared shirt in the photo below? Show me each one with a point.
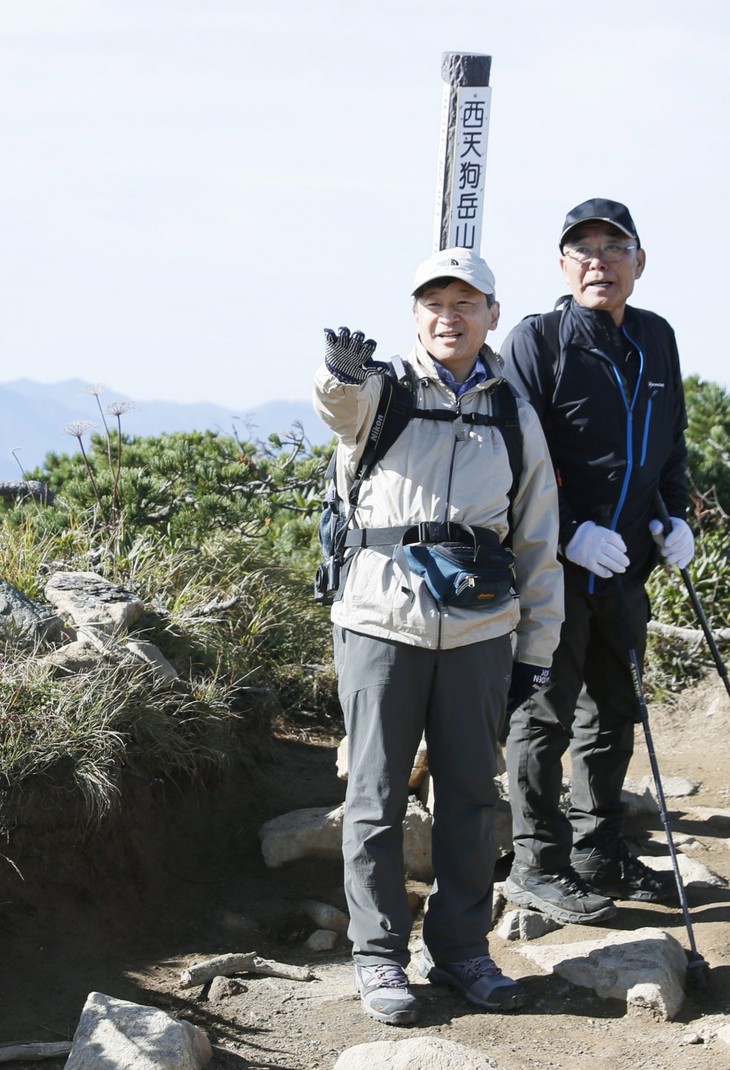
(478, 374)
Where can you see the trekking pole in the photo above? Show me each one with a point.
(696, 605)
(698, 968)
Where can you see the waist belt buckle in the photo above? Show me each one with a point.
(435, 531)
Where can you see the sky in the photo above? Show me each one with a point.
(191, 191)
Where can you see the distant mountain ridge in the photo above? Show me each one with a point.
(33, 415)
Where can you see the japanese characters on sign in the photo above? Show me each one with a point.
(469, 166)
(462, 166)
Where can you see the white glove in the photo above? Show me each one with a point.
(598, 549)
(678, 547)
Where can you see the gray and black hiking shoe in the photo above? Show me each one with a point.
(618, 873)
(480, 980)
(562, 896)
(385, 993)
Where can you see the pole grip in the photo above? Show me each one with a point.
(662, 513)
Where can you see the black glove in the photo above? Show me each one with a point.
(348, 356)
(526, 680)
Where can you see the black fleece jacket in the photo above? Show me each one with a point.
(612, 407)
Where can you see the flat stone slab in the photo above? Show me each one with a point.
(86, 598)
(691, 871)
(419, 1053)
(646, 968)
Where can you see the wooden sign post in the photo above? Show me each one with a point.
(463, 150)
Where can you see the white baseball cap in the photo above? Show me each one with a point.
(456, 263)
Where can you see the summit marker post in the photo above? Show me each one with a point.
(462, 150)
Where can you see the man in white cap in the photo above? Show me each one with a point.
(414, 655)
(604, 378)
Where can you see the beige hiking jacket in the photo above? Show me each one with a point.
(443, 470)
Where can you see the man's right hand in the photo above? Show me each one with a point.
(349, 356)
(598, 549)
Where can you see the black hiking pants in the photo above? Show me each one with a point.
(589, 709)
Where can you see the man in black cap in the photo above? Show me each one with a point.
(605, 381)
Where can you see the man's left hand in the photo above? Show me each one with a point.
(678, 547)
(526, 680)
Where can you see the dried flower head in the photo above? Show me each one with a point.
(118, 408)
(95, 389)
(78, 428)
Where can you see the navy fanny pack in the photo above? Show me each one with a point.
(478, 575)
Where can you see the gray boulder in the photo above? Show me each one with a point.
(114, 1033)
(21, 617)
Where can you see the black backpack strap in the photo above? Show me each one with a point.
(394, 409)
(548, 324)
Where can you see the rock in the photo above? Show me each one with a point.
(86, 598)
(223, 988)
(637, 799)
(498, 900)
(326, 916)
(674, 787)
(114, 1033)
(682, 840)
(239, 924)
(417, 842)
(711, 1027)
(162, 670)
(342, 763)
(645, 967)
(419, 1053)
(418, 772)
(716, 815)
(24, 619)
(503, 820)
(316, 832)
(691, 871)
(313, 832)
(72, 658)
(321, 940)
(723, 1034)
(526, 925)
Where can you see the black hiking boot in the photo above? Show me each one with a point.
(618, 873)
(563, 896)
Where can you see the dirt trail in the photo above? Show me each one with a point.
(162, 894)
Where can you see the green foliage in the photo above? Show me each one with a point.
(708, 440)
(184, 485)
(88, 730)
(672, 662)
(218, 537)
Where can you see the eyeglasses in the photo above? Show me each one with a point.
(610, 253)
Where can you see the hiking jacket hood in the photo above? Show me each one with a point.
(445, 471)
(616, 436)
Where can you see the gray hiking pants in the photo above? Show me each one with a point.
(590, 709)
(392, 694)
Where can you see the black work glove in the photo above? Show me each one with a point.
(526, 680)
(348, 356)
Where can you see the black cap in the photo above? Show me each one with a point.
(599, 210)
